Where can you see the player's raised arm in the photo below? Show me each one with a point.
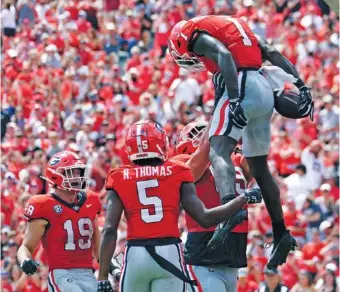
(199, 160)
(210, 217)
(33, 234)
(213, 49)
(108, 241)
(269, 53)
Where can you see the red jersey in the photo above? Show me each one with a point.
(207, 192)
(151, 197)
(68, 237)
(233, 32)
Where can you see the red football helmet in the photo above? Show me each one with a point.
(146, 139)
(190, 137)
(178, 48)
(67, 171)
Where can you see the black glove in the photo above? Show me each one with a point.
(115, 272)
(29, 266)
(236, 114)
(104, 286)
(116, 266)
(253, 196)
(219, 84)
(306, 104)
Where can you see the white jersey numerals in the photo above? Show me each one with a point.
(86, 232)
(158, 215)
(29, 210)
(246, 40)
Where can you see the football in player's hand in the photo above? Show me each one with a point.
(286, 104)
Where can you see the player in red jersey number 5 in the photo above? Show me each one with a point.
(150, 192)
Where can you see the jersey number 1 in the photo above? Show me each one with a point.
(246, 39)
(142, 186)
(82, 243)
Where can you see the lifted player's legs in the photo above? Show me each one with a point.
(221, 149)
(283, 241)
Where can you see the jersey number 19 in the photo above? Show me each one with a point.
(82, 243)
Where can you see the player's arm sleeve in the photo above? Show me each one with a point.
(211, 48)
(35, 210)
(269, 53)
(112, 179)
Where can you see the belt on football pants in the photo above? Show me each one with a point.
(150, 245)
(168, 266)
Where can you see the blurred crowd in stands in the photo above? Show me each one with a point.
(76, 74)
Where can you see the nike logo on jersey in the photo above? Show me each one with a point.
(88, 206)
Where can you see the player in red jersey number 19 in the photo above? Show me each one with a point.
(150, 192)
(65, 222)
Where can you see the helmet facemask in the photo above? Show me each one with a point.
(75, 178)
(188, 62)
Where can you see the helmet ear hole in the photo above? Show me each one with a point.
(179, 44)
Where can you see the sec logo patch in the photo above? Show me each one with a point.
(58, 209)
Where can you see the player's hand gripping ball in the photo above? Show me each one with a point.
(306, 104)
(29, 266)
(104, 286)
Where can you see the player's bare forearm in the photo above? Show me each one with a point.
(199, 161)
(208, 217)
(23, 253)
(107, 249)
(108, 242)
(33, 234)
(213, 49)
(269, 53)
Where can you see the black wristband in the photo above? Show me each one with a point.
(299, 83)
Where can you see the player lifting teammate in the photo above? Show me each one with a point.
(244, 103)
(215, 270)
(150, 192)
(65, 222)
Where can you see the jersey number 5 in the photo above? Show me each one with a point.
(157, 216)
(82, 243)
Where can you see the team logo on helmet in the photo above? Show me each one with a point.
(55, 161)
(58, 209)
(159, 127)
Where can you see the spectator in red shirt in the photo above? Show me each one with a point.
(311, 251)
(243, 284)
(293, 223)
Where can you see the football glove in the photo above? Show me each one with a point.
(29, 266)
(236, 114)
(104, 286)
(116, 266)
(306, 104)
(253, 196)
(219, 85)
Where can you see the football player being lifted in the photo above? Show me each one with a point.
(244, 104)
(65, 222)
(150, 192)
(215, 270)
